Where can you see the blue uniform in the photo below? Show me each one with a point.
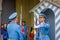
(14, 31)
(25, 32)
(43, 31)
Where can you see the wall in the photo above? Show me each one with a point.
(26, 6)
(8, 7)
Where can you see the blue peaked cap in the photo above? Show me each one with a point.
(42, 15)
(13, 15)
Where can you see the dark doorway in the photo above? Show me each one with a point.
(8, 6)
(51, 20)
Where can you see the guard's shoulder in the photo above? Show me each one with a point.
(8, 25)
(19, 28)
(47, 24)
(16, 25)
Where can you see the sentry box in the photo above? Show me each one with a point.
(52, 11)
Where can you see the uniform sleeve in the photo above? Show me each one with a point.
(46, 29)
(19, 33)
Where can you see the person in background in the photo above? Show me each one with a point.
(24, 30)
(13, 29)
(31, 33)
(4, 31)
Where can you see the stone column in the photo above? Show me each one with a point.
(0, 18)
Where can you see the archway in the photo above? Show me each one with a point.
(51, 20)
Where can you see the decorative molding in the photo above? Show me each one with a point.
(39, 4)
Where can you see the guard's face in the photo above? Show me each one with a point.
(16, 19)
(42, 19)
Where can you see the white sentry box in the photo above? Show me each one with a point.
(52, 11)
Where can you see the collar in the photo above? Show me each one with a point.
(42, 22)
